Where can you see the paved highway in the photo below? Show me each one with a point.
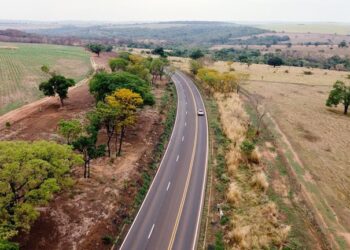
(170, 215)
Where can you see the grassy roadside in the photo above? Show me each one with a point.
(168, 109)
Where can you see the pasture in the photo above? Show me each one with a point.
(20, 72)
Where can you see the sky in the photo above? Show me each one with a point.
(169, 10)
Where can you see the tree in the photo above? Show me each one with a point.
(343, 44)
(275, 61)
(30, 173)
(96, 48)
(109, 116)
(57, 84)
(195, 66)
(86, 144)
(139, 70)
(159, 51)
(196, 54)
(339, 94)
(103, 84)
(157, 68)
(117, 64)
(128, 102)
(69, 129)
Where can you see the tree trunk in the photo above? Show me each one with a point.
(61, 100)
(346, 107)
(122, 133)
(116, 144)
(88, 170)
(85, 168)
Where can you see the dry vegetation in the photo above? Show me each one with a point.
(313, 138)
(255, 221)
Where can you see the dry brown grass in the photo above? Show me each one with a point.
(259, 180)
(234, 193)
(254, 223)
(319, 135)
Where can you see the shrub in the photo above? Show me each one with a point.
(259, 180)
(308, 73)
(8, 125)
(247, 147)
(107, 240)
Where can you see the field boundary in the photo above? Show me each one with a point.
(313, 215)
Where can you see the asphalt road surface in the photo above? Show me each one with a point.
(170, 215)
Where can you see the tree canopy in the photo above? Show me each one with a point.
(118, 64)
(57, 84)
(103, 84)
(30, 173)
(69, 129)
(275, 61)
(196, 54)
(126, 102)
(97, 48)
(340, 94)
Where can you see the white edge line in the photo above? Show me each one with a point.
(167, 188)
(205, 176)
(161, 164)
(177, 158)
(183, 138)
(150, 233)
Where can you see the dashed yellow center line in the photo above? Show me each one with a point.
(172, 239)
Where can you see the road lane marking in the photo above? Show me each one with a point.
(177, 158)
(161, 165)
(185, 124)
(167, 188)
(178, 217)
(150, 233)
(186, 112)
(183, 138)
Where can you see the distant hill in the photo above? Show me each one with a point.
(172, 33)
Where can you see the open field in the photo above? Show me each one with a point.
(324, 28)
(20, 72)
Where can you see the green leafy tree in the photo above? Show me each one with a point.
(117, 64)
(103, 84)
(124, 55)
(30, 173)
(57, 84)
(275, 61)
(109, 117)
(159, 51)
(196, 54)
(195, 66)
(340, 94)
(157, 68)
(96, 48)
(69, 129)
(139, 70)
(86, 144)
(343, 44)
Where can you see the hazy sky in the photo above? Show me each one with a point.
(160, 10)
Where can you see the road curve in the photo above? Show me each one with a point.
(169, 217)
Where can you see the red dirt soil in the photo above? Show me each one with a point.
(95, 207)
